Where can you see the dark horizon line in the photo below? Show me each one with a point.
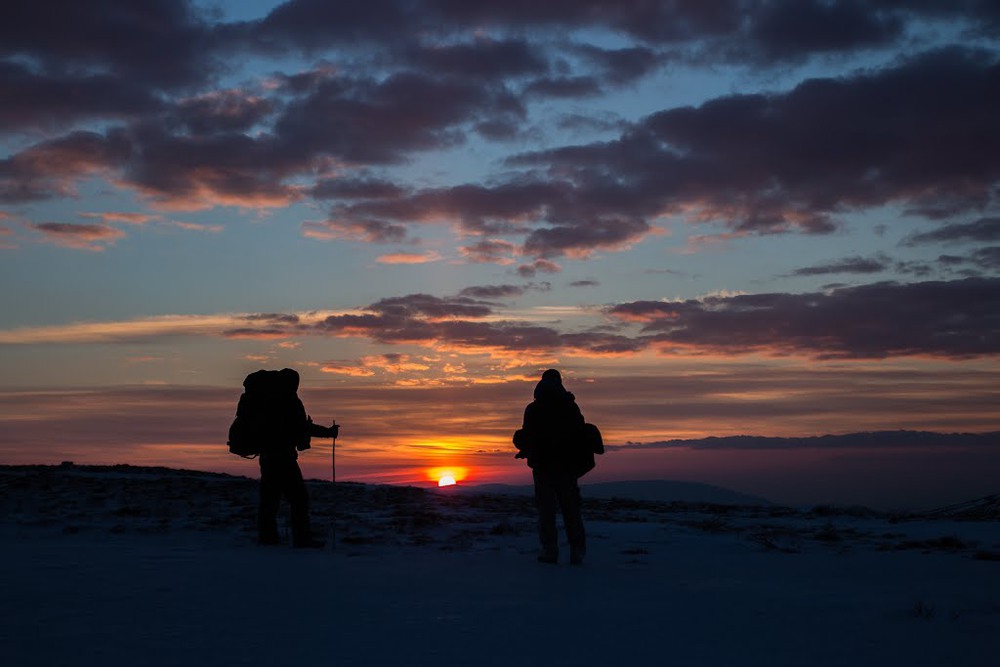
(883, 438)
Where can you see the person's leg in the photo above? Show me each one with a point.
(546, 503)
(298, 499)
(270, 498)
(569, 500)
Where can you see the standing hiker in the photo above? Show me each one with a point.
(272, 420)
(553, 441)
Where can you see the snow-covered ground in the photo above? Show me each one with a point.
(126, 566)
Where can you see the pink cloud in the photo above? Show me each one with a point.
(85, 237)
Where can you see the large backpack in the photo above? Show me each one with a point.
(590, 442)
(575, 450)
(269, 416)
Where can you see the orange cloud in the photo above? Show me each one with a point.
(344, 368)
(128, 330)
(394, 363)
(208, 191)
(409, 258)
(118, 216)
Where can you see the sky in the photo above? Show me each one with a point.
(730, 217)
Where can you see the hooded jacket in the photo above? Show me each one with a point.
(553, 424)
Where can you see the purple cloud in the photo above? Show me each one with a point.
(860, 265)
(955, 319)
(983, 230)
(85, 237)
(159, 43)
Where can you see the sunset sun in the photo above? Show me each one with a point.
(447, 476)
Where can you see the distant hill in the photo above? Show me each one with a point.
(650, 490)
(860, 439)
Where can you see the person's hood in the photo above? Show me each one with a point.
(551, 386)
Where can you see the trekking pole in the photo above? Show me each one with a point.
(333, 482)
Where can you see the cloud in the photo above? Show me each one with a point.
(84, 237)
(567, 220)
(51, 168)
(54, 101)
(762, 33)
(581, 238)
(200, 153)
(369, 231)
(430, 306)
(987, 258)
(564, 87)
(870, 441)
(394, 363)
(274, 318)
(772, 163)
(983, 230)
(121, 216)
(624, 65)
(490, 251)
(499, 209)
(957, 319)
(583, 123)
(411, 77)
(538, 266)
(183, 172)
(791, 29)
(501, 291)
(954, 319)
(346, 368)
(356, 188)
(758, 163)
(125, 331)
(367, 121)
(409, 258)
(482, 59)
(266, 326)
(196, 227)
(861, 265)
(160, 42)
(222, 111)
(140, 219)
(466, 325)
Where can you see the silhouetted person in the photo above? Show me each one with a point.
(272, 409)
(552, 440)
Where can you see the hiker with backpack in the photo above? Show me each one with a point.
(559, 447)
(272, 423)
